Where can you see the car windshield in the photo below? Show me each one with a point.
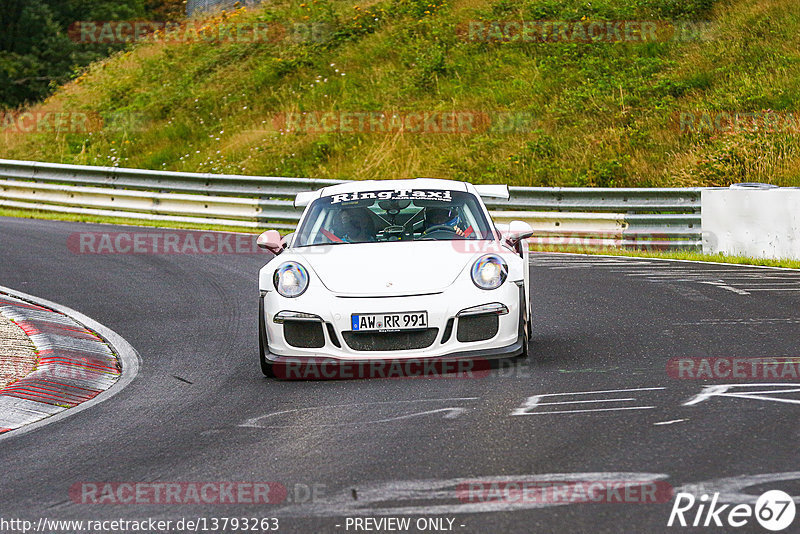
(399, 215)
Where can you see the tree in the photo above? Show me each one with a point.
(36, 53)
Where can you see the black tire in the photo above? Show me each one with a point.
(267, 367)
(524, 332)
(526, 341)
(530, 323)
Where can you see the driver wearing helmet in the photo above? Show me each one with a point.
(442, 216)
(356, 226)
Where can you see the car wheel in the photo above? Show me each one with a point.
(530, 323)
(526, 341)
(524, 332)
(267, 367)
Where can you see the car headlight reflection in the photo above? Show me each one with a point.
(489, 272)
(290, 279)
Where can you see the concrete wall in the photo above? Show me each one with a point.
(761, 223)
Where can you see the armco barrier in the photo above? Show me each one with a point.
(660, 218)
(629, 217)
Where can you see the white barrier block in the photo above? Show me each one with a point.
(760, 223)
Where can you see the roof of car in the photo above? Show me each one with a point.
(306, 197)
(497, 191)
(378, 185)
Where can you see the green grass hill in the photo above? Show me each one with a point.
(320, 89)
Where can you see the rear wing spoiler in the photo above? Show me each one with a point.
(304, 198)
(493, 191)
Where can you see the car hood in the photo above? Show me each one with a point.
(383, 269)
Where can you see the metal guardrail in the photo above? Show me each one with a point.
(628, 217)
(217, 199)
(662, 218)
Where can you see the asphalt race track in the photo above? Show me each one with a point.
(607, 408)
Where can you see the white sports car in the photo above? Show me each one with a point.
(397, 270)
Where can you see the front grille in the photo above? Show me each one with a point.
(477, 327)
(387, 341)
(304, 334)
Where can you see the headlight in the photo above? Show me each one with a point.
(290, 279)
(489, 272)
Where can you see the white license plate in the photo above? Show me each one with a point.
(385, 322)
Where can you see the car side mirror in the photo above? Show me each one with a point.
(271, 240)
(517, 231)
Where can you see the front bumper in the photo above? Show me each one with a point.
(323, 322)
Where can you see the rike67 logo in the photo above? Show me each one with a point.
(774, 510)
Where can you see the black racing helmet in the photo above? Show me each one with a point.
(436, 215)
